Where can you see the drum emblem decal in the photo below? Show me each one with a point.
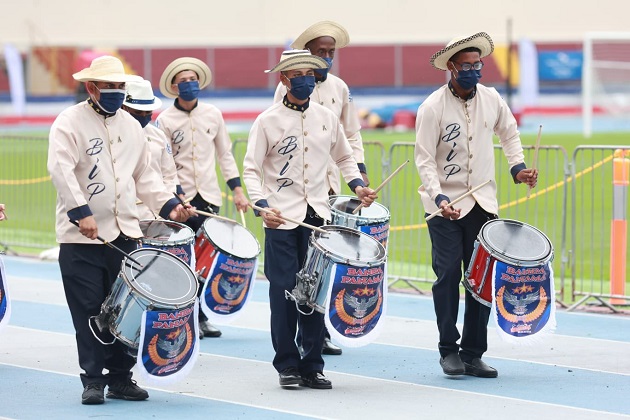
(232, 289)
(520, 305)
(171, 345)
(360, 306)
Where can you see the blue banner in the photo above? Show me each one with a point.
(380, 232)
(560, 65)
(523, 301)
(168, 343)
(356, 303)
(228, 287)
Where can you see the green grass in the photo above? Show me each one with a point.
(30, 200)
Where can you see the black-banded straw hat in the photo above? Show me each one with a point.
(140, 96)
(480, 40)
(323, 28)
(184, 63)
(298, 59)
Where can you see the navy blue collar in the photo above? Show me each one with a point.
(296, 107)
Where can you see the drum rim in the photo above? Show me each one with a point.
(154, 242)
(371, 220)
(160, 302)
(204, 232)
(508, 259)
(337, 259)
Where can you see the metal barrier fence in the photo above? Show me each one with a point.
(581, 254)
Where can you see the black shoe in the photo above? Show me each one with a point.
(316, 380)
(452, 364)
(477, 367)
(208, 329)
(126, 390)
(330, 348)
(290, 376)
(93, 394)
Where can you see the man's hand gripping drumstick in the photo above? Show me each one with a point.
(273, 218)
(360, 206)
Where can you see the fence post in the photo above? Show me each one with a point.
(618, 229)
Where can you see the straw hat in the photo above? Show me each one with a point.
(324, 28)
(480, 40)
(298, 59)
(105, 69)
(184, 63)
(140, 96)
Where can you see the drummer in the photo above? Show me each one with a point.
(285, 170)
(454, 153)
(98, 160)
(140, 102)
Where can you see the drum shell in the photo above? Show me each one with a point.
(125, 304)
(320, 262)
(375, 226)
(181, 247)
(478, 276)
(207, 249)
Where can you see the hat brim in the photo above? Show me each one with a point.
(157, 104)
(85, 76)
(319, 29)
(299, 62)
(480, 40)
(179, 65)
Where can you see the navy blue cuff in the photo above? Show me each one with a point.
(234, 182)
(179, 190)
(168, 207)
(440, 198)
(515, 170)
(362, 168)
(79, 213)
(260, 203)
(357, 182)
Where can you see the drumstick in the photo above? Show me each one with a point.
(243, 218)
(535, 160)
(360, 206)
(112, 246)
(186, 201)
(457, 200)
(306, 225)
(203, 213)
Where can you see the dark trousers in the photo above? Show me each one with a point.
(452, 247)
(285, 252)
(88, 273)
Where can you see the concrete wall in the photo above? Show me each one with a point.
(142, 23)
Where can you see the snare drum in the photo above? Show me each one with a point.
(169, 236)
(340, 245)
(164, 282)
(373, 220)
(219, 236)
(508, 241)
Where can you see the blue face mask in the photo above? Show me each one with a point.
(323, 73)
(111, 99)
(468, 79)
(142, 119)
(188, 91)
(302, 86)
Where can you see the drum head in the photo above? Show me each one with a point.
(347, 204)
(350, 246)
(164, 232)
(515, 242)
(231, 238)
(164, 279)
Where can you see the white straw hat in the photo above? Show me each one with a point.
(140, 96)
(298, 59)
(323, 28)
(105, 69)
(184, 63)
(480, 40)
